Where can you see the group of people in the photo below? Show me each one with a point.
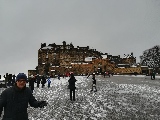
(72, 86)
(106, 74)
(38, 80)
(14, 100)
(9, 79)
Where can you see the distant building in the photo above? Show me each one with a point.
(61, 59)
(55, 59)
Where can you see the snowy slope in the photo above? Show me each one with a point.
(112, 101)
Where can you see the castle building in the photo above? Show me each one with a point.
(56, 59)
(61, 59)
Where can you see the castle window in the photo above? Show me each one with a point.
(72, 55)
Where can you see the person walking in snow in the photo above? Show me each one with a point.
(38, 79)
(15, 100)
(6, 79)
(31, 82)
(43, 81)
(88, 75)
(13, 80)
(93, 83)
(58, 76)
(72, 87)
(49, 82)
(153, 75)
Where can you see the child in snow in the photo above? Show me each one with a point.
(49, 82)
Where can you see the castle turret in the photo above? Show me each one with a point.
(43, 45)
(64, 43)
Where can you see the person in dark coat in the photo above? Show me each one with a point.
(153, 75)
(15, 100)
(59, 77)
(13, 80)
(6, 78)
(72, 87)
(38, 79)
(31, 82)
(94, 83)
(43, 81)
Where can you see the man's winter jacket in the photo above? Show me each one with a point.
(72, 81)
(15, 102)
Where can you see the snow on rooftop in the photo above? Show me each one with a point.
(144, 66)
(47, 47)
(104, 56)
(133, 66)
(123, 64)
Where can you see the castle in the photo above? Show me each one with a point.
(61, 59)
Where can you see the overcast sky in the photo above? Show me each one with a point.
(117, 27)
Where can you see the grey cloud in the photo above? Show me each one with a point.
(114, 26)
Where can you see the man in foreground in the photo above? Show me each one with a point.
(15, 100)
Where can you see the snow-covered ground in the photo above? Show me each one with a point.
(135, 98)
